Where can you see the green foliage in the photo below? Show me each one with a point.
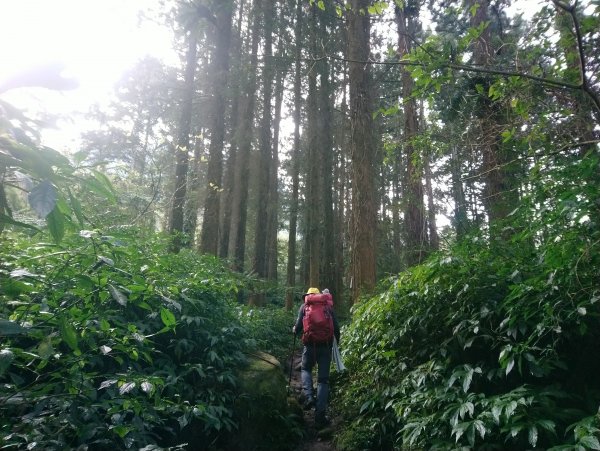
(270, 327)
(48, 178)
(491, 344)
(110, 343)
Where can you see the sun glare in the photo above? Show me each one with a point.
(94, 40)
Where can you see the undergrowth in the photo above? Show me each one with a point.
(490, 345)
(109, 341)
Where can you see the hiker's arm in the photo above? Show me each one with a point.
(298, 329)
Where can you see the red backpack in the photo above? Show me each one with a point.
(317, 323)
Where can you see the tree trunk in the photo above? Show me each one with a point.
(219, 72)
(328, 267)
(263, 176)
(364, 220)
(460, 220)
(313, 172)
(244, 135)
(295, 163)
(273, 210)
(195, 182)
(434, 239)
(227, 194)
(182, 148)
(414, 214)
(499, 197)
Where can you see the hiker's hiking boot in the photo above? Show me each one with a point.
(321, 421)
(309, 404)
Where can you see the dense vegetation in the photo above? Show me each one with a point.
(109, 341)
(140, 275)
(490, 344)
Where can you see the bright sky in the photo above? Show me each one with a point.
(96, 39)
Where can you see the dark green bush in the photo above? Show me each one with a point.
(492, 345)
(271, 328)
(108, 343)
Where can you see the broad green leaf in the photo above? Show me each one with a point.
(76, 205)
(69, 335)
(107, 383)
(5, 219)
(590, 442)
(122, 430)
(533, 436)
(167, 317)
(117, 295)
(42, 198)
(509, 366)
(45, 349)
(321, 5)
(11, 328)
(56, 225)
(102, 185)
(126, 387)
(104, 325)
(12, 287)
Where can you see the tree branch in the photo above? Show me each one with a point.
(585, 83)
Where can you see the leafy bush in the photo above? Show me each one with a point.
(492, 345)
(271, 328)
(107, 343)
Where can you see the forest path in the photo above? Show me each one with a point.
(313, 440)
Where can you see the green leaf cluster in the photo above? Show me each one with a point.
(490, 344)
(108, 341)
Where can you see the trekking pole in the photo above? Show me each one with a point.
(292, 362)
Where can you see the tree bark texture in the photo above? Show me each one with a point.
(182, 147)
(244, 137)
(314, 202)
(295, 163)
(219, 72)
(414, 213)
(364, 220)
(499, 195)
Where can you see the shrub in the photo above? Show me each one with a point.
(491, 345)
(107, 343)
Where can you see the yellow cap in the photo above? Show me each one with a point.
(313, 291)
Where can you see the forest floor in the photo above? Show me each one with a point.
(314, 440)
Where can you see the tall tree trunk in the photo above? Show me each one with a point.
(499, 195)
(235, 94)
(259, 264)
(295, 163)
(313, 166)
(340, 176)
(273, 210)
(414, 214)
(219, 71)
(434, 239)
(326, 142)
(182, 148)
(237, 231)
(364, 219)
(195, 182)
(460, 220)
(396, 224)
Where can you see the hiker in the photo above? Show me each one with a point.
(317, 337)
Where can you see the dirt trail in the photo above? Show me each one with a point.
(313, 440)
